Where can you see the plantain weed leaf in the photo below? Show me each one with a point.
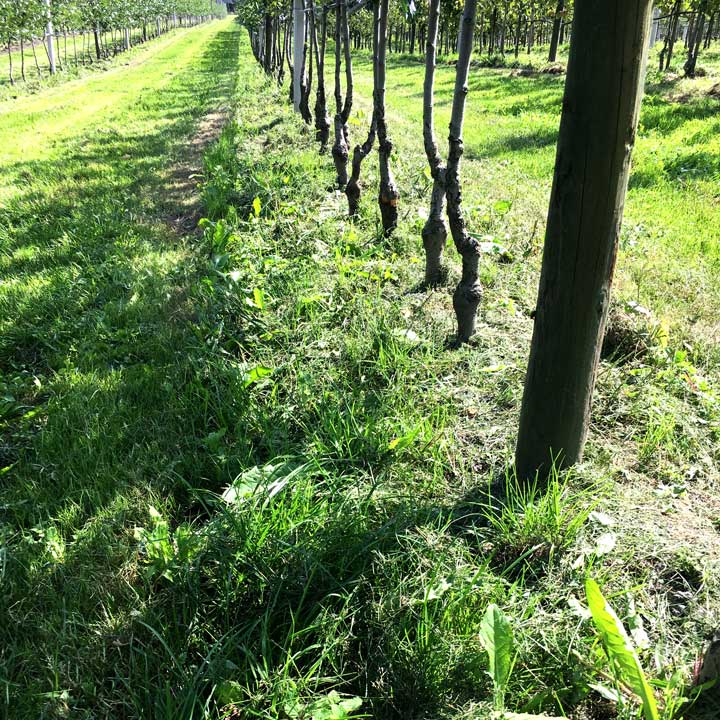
(496, 637)
(619, 649)
(255, 374)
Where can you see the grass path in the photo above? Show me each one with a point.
(95, 296)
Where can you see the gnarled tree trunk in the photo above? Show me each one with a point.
(388, 193)
(353, 190)
(434, 233)
(606, 69)
(340, 151)
(322, 121)
(466, 297)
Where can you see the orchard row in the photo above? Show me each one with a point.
(80, 31)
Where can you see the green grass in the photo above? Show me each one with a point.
(241, 471)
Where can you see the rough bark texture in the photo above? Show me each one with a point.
(608, 53)
(353, 190)
(340, 148)
(388, 194)
(468, 292)
(322, 121)
(306, 82)
(434, 234)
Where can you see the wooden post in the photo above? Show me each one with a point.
(298, 46)
(49, 39)
(606, 70)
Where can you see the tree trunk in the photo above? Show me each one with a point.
(340, 148)
(557, 25)
(10, 62)
(711, 27)
(360, 152)
(603, 90)
(34, 52)
(667, 51)
(22, 56)
(466, 297)
(306, 78)
(388, 193)
(322, 121)
(268, 44)
(96, 34)
(695, 41)
(434, 233)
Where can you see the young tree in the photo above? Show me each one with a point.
(322, 121)
(340, 150)
(468, 293)
(360, 152)
(603, 90)
(434, 233)
(388, 193)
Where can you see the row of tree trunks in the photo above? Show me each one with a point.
(599, 120)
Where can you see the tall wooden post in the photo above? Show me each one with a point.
(298, 47)
(606, 71)
(49, 36)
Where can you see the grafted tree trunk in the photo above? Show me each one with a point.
(388, 193)
(468, 292)
(434, 233)
(557, 26)
(340, 151)
(322, 121)
(360, 152)
(306, 80)
(603, 90)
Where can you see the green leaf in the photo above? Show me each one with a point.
(257, 206)
(502, 207)
(259, 297)
(228, 692)
(496, 637)
(619, 649)
(255, 374)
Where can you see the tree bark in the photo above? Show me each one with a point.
(268, 43)
(557, 25)
(322, 121)
(340, 148)
(388, 193)
(434, 233)
(695, 41)
(603, 91)
(360, 152)
(667, 51)
(466, 297)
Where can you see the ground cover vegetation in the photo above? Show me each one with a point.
(252, 479)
